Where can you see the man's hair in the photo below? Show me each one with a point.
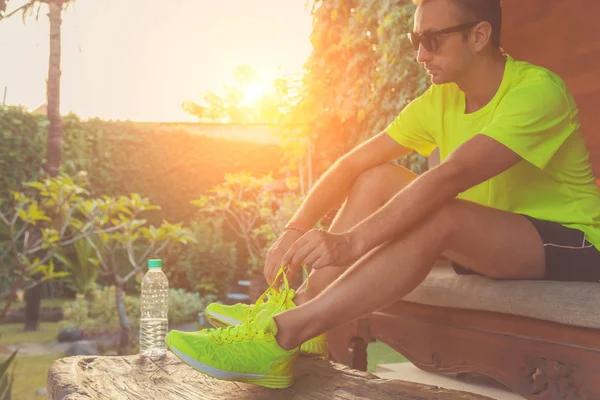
(479, 10)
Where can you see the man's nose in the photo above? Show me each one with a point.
(423, 55)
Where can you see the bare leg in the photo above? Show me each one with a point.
(494, 243)
(369, 193)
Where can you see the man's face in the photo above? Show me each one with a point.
(450, 59)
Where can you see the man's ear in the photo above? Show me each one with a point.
(481, 35)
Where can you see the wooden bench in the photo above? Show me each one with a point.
(135, 377)
(540, 339)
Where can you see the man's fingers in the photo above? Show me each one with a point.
(274, 272)
(312, 258)
(289, 255)
(267, 269)
(302, 253)
(321, 262)
(271, 272)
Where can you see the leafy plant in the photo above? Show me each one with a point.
(205, 266)
(83, 271)
(54, 214)
(359, 76)
(123, 250)
(111, 228)
(184, 306)
(105, 312)
(100, 311)
(76, 313)
(255, 209)
(7, 376)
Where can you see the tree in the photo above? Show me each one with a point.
(37, 225)
(126, 244)
(55, 7)
(106, 232)
(54, 141)
(248, 100)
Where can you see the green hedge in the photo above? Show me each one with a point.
(171, 167)
(22, 148)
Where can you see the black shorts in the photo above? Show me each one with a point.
(569, 256)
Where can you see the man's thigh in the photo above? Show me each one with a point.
(490, 242)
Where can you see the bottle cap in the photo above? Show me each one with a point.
(156, 263)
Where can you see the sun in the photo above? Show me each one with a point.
(254, 92)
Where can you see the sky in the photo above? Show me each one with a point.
(140, 59)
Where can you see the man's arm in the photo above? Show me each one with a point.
(331, 190)
(476, 161)
(333, 186)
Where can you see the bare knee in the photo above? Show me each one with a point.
(382, 182)
(445, 221)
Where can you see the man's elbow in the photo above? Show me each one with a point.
(451, 178)
(350, 163)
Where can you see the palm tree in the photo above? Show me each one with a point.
(54, 140)
(54, 144)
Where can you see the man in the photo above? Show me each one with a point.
(514, 198)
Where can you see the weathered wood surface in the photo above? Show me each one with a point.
(138, 378)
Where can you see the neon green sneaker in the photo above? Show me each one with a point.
(221, 316)
(245, 353)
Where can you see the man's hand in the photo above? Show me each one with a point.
(276, 253)
(320, 249)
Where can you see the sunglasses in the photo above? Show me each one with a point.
(429, 40)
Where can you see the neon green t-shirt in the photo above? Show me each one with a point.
(533, 114)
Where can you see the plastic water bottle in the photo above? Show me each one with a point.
(154, 308)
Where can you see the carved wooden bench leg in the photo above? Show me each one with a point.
(348, 344)
(537, 359)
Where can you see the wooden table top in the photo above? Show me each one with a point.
(139, 378)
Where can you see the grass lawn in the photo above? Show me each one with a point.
(30, 371)
(379, 353)
(30, 375)
(45, 303)
(14, 333)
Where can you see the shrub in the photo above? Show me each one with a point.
(256, 209)
(206, 266)
(100, 313)
(76, 312)
(184, 307)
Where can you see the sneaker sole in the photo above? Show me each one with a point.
(271, 382)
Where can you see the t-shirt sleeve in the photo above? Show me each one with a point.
(410, 129)
(534, 121)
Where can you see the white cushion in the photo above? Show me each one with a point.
(570, 303)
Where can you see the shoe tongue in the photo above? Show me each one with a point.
(291, 294)
(264, 321)
(276, 295)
